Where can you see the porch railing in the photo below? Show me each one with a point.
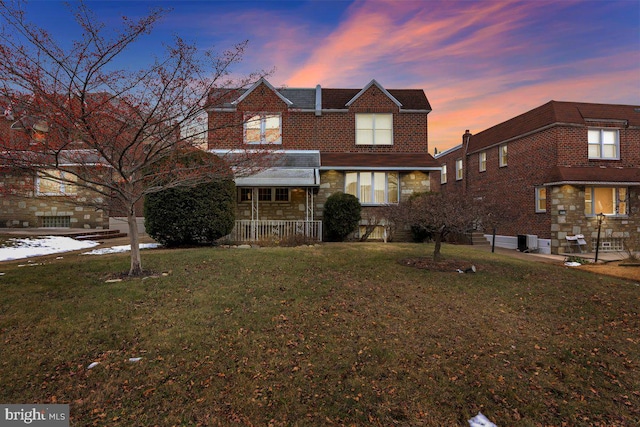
(255, 231)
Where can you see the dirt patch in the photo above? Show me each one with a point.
(445, 265)
(621, 269)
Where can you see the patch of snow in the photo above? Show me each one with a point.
(480, 421)
(572, 264)
(119, 249)
(46, 245)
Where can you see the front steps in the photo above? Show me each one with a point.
(96, 234)
(478, 239)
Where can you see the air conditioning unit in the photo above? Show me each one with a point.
(527, 242)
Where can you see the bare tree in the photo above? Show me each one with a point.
(444, 213)
(119, 133)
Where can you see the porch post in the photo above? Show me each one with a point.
(254, 213)
(309, 200)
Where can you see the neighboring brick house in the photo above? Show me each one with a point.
(552, 170)
(30, 199)
(369, 142)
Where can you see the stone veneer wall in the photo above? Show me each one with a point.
(412, 182)
(27, 212)
(571, 199)
(293, 210)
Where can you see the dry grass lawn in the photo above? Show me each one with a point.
(336, 334)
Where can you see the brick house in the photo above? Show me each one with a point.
(370, 142)
(29, 199)
(551, 171)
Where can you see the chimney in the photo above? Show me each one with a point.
(466, 136)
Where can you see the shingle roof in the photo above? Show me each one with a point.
(386, 161)
(411, 99)
(304, 99)
(594, 174)
(553, 112)
(332, 99)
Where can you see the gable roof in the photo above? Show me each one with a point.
(257, 84)
(411, 99)
(554, 113)
(383, 90)
(327, 98)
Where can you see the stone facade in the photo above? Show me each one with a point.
(27, 209)
(568, 219)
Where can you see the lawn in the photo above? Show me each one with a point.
(336, 334)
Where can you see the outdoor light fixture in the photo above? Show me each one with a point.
(600, 217)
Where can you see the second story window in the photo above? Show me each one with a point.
(482, 161)
(502, 151)
(374, 129)
(443, 175)
(263, 129)
(604, 144)
(458, 169)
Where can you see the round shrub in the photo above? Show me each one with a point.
(191, 215)
(342, 213)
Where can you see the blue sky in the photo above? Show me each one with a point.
(479, 63)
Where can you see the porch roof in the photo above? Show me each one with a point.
(594, 175)
(295, 168)
(281, 177)
(378, 161)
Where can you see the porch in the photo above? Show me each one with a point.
(263, 230)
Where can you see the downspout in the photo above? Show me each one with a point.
(465, 164)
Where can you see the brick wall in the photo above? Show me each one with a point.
(531, 158)
(330, 132)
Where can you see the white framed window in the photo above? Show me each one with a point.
(56, 183)
(373, 188)
(502, 150)
(482, 161)
(541, 199)
(266, 194)
(604, 144)
(458, 169)
(263, 128)
(443, 175)
(607, 200)
(374, 129)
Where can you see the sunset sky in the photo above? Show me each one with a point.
(479, 62)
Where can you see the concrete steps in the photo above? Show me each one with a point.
(478, 239)
(96, 235)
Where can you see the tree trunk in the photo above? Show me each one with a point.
(436, 249)
(136, 263)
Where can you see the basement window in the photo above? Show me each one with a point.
(55, 221)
